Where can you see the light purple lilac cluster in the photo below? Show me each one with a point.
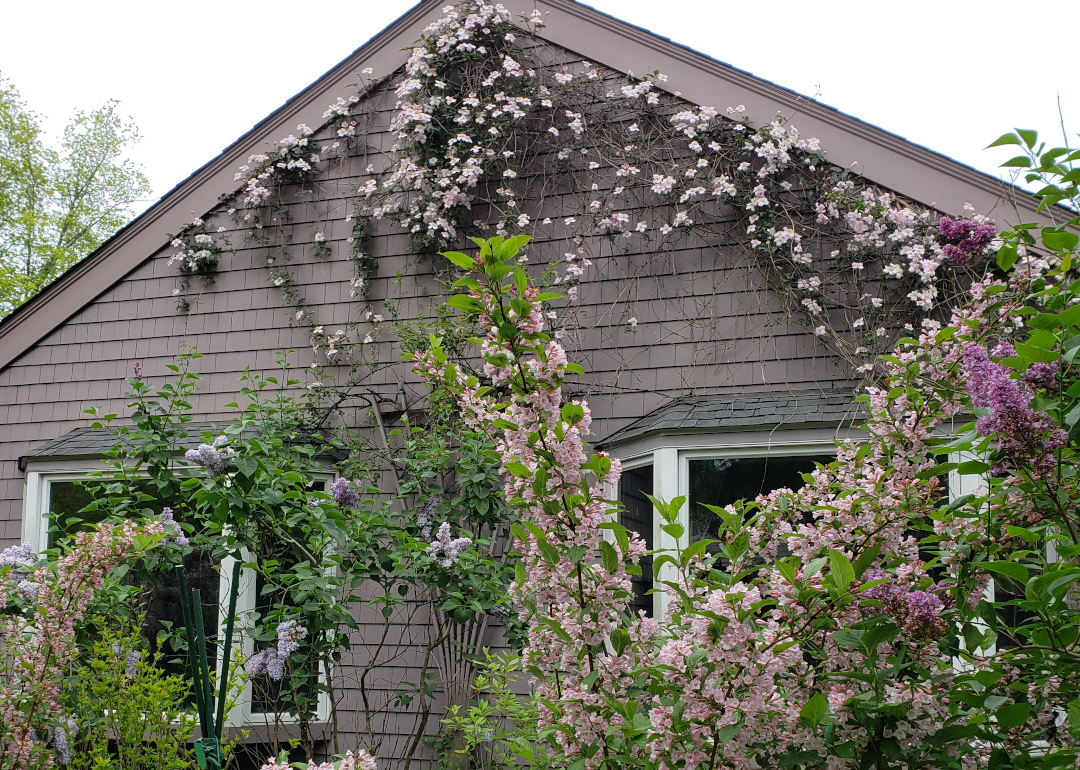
(272, 661)
(971, 239)
(131, 658)
(20, 558)
(917, 611)
(216, 457)
(1021, 432)
(60, 739)
(179, 538)
(426, 515)
(446, 550)
(345, 492)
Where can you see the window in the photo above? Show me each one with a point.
(720, 481)
(64, 497)
(54, 495)
(637, 516)
(719, 474)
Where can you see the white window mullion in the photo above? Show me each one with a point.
(666, 485)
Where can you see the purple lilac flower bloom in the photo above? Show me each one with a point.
(345, 493)
(216, 457)
(289, 635)
(427, 515)
(1018, 428)
(1056, 440)
(131, 658)
(1042, 375)
(180, 539)
(272, 661)
(275, 667)
(446, 550)
(257, 663)
(919, 612)
(18, 556)
(27, 589)
(59, 739)
(1003, 349)
(884, 593)
(923, 620)
(971, 238)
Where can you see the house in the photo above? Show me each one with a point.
(721, 343)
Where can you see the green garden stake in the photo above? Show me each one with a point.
(211, 713)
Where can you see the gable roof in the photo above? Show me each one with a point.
(912, 171)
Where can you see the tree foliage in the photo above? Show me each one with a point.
(59, 204)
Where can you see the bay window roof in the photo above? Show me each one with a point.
(745, 411)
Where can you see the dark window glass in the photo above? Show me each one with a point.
(722, 481)
(161, 596)
(637, 516)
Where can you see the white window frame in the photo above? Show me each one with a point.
(670, 457)
(35, 530)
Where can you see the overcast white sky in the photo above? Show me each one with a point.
(195, 75)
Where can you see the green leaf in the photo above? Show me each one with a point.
(972, 468)
(1029, 136)
(1006, 257)
(815, 710)
(676, 530)
(842, 571)
(511, 246)
(549, 552)
(695, 550)
(1020, 161)
(608, 556)
(846, 638)
(799, 759)
(1009, 569)
(866, 558)
(1026, 534)
(1013, 715)
(246, 465)
(1058, 240)
(1003, 140)
(727, 732)
(466, 303)
(620, 639)
(518, 470)
(463, 261)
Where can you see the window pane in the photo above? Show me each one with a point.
(722, 481)
(637, 516)
(161, 597)
(66, 499)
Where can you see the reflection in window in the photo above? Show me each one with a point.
(637, 516)
(161, 598)
(722, 481)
